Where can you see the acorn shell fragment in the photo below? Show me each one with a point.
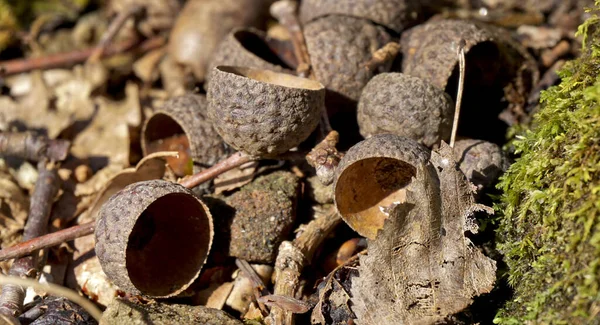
(153, 237)
(372, 177)
(261, 112)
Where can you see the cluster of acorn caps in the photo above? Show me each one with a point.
(255, 104)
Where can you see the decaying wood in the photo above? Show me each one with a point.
(291, 260)
(421, 267)
(46, 188)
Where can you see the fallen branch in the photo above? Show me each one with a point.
(29, 146)
(71, 58)
(46, 188)
(291, 260)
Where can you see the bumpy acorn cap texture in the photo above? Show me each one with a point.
(187, 114)
(407, 106)
(202, 25)
(148, 247)
(430, 50)
(261, 112)
(246, 47)
(371, 178)
(481, 161)
(393, 14)
(339, 48)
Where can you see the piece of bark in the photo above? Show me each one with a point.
(29, 146)
(421, 268)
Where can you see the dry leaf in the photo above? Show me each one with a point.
(107, 136)
(421, 268)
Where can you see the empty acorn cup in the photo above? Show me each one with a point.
(372, 178)
(407, 106)
(181, 124)
(247, 47)
(393, 14)
(263, 113)
(148, 247)
(340, 47)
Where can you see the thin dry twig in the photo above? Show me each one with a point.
(56, 238)
(291, 260)
(285, 12)
(67, 59)
(233, 161)
(383, 56)
(461, 85)
(29, 146)
(46, 188)
(112, 31)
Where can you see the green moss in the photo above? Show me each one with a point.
(550, 209)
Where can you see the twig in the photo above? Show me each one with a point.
(46, 188)
(285, 12)
(28, 146)
(461, 86)
(53, 289)
(42, 242)
(235, 160)
(383, 56)
(292, 258)
(71, 58)
(259, 286)
(112, 31)
(325, 158)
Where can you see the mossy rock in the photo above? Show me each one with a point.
(550, 210)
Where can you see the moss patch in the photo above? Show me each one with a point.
(550, 210)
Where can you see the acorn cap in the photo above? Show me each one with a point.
(148, 247)
(393, 14)
(430, 50)
(263, 113)
(407, 106)
(372, 177)
(481, 161)
(202, 25)
(186, 115)
(339, 48)
(247, 47)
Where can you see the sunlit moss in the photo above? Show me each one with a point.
(550, 208)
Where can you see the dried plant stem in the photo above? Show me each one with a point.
(46, 188)
(461, 86)
(293, 257)
(285, 12)
(325, 158)
(112, 31)
(55, 290)
(383, 56)
(29, 146)
(71, 58)
(42, 242)
(235, 160)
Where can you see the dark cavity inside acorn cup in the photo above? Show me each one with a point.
(367, 190)
(274, 78)
(259, 47)
(163, 133)
(165, 250)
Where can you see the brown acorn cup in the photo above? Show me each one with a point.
(247, 47)
(263, 113)
(148, 247)
(372, 177)
(393, 14)
(184, 115)
(339, 48)
(407, 106)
